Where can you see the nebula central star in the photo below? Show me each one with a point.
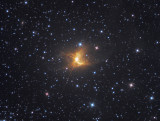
(78, 59)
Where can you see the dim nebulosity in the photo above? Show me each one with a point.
(80, 60)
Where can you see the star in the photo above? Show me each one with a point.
(22, 23)
(155, 117)
(92, 105)
(79, 44)
(151, 98)
(101, 31)
(137, 50)
(131, 85)
(96, 48)
(25, 2)
(47, 94)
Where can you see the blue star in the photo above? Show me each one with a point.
(151, 98)
(25, 2)
(92, 105)
(137, 50)
(79, 44)
(157, 42)
(101, 31)
(44, 52)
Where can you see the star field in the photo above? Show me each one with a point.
(122, 45)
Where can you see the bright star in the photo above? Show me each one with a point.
(25, 2)
(76, 59)
(80, 44)
(137, 50)
(151, 98)
(92, 105)
(101, 31)
(131, 85)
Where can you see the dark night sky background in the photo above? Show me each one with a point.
(121, 84)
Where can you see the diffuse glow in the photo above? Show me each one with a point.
(78, 59)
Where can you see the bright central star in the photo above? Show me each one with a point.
(79, 59)
(76, 59)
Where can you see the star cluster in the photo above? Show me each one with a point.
(123, 49)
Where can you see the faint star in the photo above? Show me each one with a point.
(157, 42)
(96, 47)
(15, 49)
(154, 117)
(22, 23)
(44, 52)
(47, 94)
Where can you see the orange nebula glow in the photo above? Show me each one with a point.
(78, 59)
